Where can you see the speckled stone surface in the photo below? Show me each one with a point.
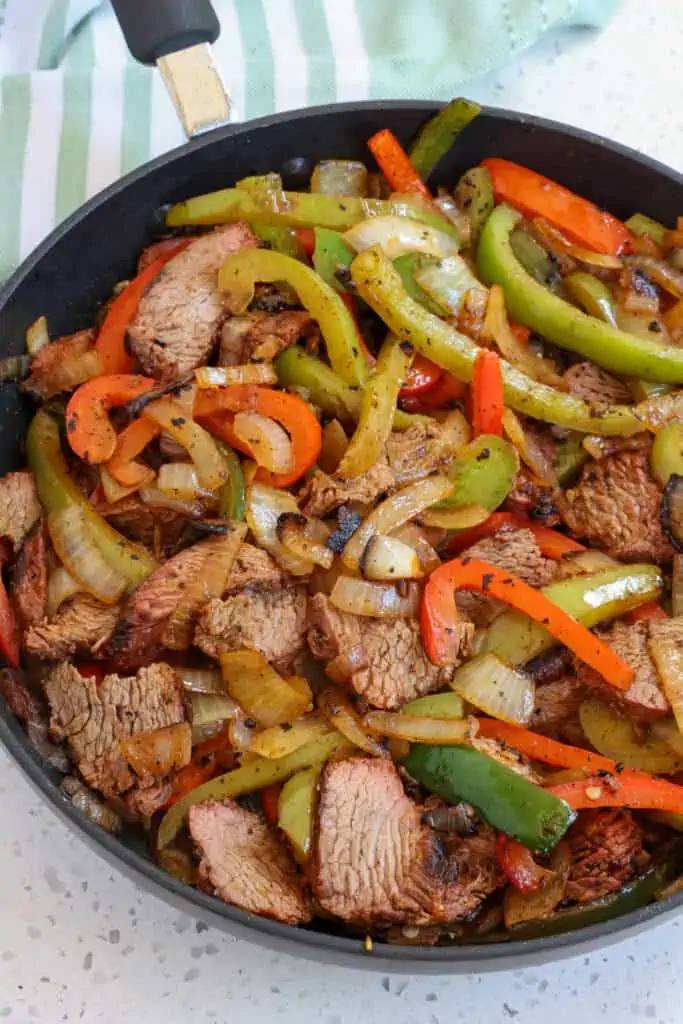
(78, 942)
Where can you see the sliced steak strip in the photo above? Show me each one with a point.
(615, 507)
(47, 376)
(156, 528)
(556, 710)
(606, 850)
(513, 551)
(255, 568)
(19, 507)
(373, 860)
(272, 622)
(93, 718)
(29, 578)
(645, 698)
(593, 384)
(243, 862)
(323, 494)
(385, 659)
(177, 322)
(260, 337)
(420, 451)
(81, 626)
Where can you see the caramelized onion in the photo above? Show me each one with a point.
(261, 692)
(159, 752)
(340, 713)
(376, 600)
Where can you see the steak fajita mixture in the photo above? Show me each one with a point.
(346, 556)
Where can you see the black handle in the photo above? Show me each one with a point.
(154, 28)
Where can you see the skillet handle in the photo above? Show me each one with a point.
(176, 36)
(155, 28)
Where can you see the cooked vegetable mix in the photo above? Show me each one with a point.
(345, 533)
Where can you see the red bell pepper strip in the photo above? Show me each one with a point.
(645, 613)
(541, 748)
(520, 332)
(395, 164)
(306, 239)
(111, 341)
(88, 429)
(630, 789)
(130, 442)
(518, 864)
(9, 630)
(551, 543)
(443, 395)
(216, 407)
(423, 375)
(191, 776)
(536, 196)
(269, 798)
(439, 616)
(487, 395)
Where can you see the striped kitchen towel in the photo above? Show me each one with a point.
(76, 112)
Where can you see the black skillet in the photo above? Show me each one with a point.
(73, 271)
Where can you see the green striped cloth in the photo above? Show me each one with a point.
(76, 112)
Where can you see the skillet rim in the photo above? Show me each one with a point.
(315, 945)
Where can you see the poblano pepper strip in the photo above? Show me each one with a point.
(243, 270)
(504, 799)
(379, 284)
(536, 307)
(298, 210)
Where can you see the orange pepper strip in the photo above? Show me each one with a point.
(269, 798)
(645, 613)
(536, 196)
(439, 616)
(111, 341)
(88, 429)
(518, 864)
(423, 375)
(442, 395)
(130, 442)
(191, 776)
(630, 789)
(215, 407)
(551, 543)
(541, 748)
(395, 164)
(306, 239)
(487, 395)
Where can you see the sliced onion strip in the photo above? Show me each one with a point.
(76, 549)
(496, 689)
(225, 376)
(374, 600)
(386, 558)
(421, 730)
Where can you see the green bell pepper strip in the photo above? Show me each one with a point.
(232, 501)
(296, 368)
(330, 255)
(407, 266)
(641, 225)
(58, 492)
(248, 778)
(570, 457)
(298, 210)
(592, 295)
(666, 457)
(439, 134)
(536, 307)
(515, 639)
(483, 473)
(378, 405)
(474, 195)
(435, 705)
(244, 269)
(508, 802)
(379, 284)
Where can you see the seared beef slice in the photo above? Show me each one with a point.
(19, 507)
(605, 847)
(94, 718)
(615, 507)
(82, 624)
(179, 316)
(272, 622)
(385, 657)
(374, 862)
(245, 863)
(29, 578)
(644, 698)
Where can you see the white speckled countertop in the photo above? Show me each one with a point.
(78, 942)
